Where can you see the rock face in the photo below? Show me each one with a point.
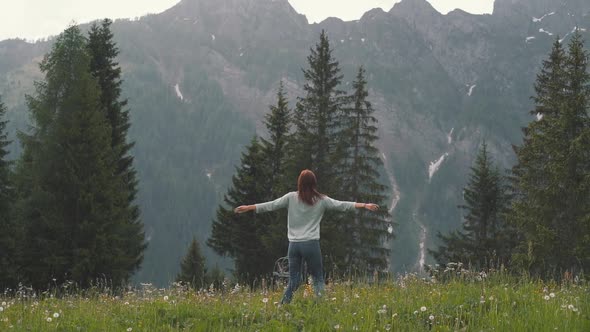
(440, 84)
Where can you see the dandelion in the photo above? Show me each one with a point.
(387, 327)
(3, 303)
(431, 317)
(552, 295)
(356, 296)
(49, 319)
(337, 326)
(570, 307)
(126, 303)
(166, 298)
(265, 300)
(1, 309)
(55, 315)
(333, 299)
(546, 297)
(381, 311)
(423, 309)
(129, 329)
(416, 312)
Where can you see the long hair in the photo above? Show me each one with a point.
(307, 187)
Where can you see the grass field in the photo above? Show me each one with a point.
(409, 303)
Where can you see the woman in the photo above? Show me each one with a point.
(305, 210)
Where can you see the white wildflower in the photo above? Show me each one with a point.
(165, 297)
(55, 315)
(3, 303)
(552, 294)
(1, 309)
(387, 327)
(265, 300)
(423, 309)
(546, 297)
(48, 319)
(129, 329)
(381, 311)
(416, 312)
(431, 317)
(337, 326)
(570, 307)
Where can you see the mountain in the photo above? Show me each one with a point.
(200, 76)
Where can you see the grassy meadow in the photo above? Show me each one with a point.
(467, 303)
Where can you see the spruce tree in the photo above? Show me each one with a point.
(315, 143)
(103, 66)
(237, 235)
(274, 151)
(551, 202)
(192, 267)
(368, 246)
(8, 253)
(69, 194)
(485, 240)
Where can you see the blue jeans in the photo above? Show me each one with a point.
(311, 253)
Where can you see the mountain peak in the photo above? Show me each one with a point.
(413, 6)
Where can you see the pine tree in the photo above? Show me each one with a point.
(368, 246)
(237, 235)
(317, 117)
(69, 194)
(8, 253)
(274, 150)
(192, 267)
(103, 52)
(552, 198)
(315, 143)
(485, 240)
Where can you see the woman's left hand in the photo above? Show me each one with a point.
(371, 206)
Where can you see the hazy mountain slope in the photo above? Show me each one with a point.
(200, 77)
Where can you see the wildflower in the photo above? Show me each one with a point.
(423, 309)
(394, 315)
(1, 309)
(387, 327)
(356, 296)
(126, 303)
(570, 307)
(129, 329)
(48, 319)
(3, 303)
(416, 312)
(333, 299)
(337, 326)
(546, 297)
(381, 311)
(552, 294)
(55, 315)
(166, 298)
(265, 300)
(431, 317)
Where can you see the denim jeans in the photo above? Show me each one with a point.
(311, 253)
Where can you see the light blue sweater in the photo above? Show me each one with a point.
(303, 221)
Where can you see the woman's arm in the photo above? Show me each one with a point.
(278, 203)
(368, 206)
(245, 208)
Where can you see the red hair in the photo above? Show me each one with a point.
(307, 187)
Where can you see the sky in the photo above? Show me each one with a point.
(34, 19)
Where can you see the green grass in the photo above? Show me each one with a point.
(495, 303)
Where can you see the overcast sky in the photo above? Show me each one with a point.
(32, 19)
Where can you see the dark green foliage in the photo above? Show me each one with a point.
(315, 144)
(106, 71)
(274, 150)
(8, 235)
(368, 243)
(70, 196)
(236, 235)
(551, 178)
(192, 267)
(485, 240)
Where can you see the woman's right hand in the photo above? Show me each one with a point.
(244, 208)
